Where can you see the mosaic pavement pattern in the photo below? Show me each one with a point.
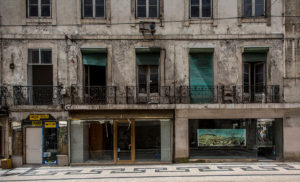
(129, 173)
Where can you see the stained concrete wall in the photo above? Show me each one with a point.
(291, 127)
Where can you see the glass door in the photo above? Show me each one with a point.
(124, 141)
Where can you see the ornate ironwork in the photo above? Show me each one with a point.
(93, 95)
(37, 95)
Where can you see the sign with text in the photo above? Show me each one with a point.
(50, 124)
(35, 117)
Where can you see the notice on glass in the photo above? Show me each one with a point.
(221, 137)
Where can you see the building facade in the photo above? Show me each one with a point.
(149, 81)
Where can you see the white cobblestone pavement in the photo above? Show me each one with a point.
(210, 172)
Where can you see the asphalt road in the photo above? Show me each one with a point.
(227, 172)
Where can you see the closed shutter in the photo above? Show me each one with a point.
(201, 78)
(94, 59)
(147, 58)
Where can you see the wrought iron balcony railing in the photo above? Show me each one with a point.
(37, 95)
(93, 95)
(3, 95)
(257, 94)
(149, 95)
(175, 95)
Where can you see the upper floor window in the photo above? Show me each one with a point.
(147, 8)
(254, 8)
(38, 8)
(93, 8)
(200, 8)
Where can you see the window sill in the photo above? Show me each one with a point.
(157, 21)
(201, 21)
(38, 20)
(254, 19)
(94, 21)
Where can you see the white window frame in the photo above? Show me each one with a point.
(94, 9)
(147, 9)
(40, 56)
(253, 9)
(200, 9)
(39, 10)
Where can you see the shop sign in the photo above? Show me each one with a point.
(38, 117)
(50, 124)
(221, 137)
(37, 123)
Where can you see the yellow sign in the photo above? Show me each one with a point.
(36, 123)
(38, 117)
(50, 124)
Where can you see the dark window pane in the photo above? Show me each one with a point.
(99, 2)
(45, 10)
(195, 2)
(154, 79)
(247, 8)
(45, 2)
(142, 74)
(259, 8)
(33, 11)
(206, 8)
(46, 57)
(33, 2)
(88, 11)
(153, 2)
(99, 11)
(153, 11)
(34, 56)
(141, 2)
(195, 11)
(88, 2)
(141, 11)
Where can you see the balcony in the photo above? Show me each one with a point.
(101, 95)
(37, 95)
(92, 95)
(3, 95)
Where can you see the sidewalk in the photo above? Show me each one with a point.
(227, 172)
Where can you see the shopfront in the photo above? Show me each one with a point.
(126, 140)
(256, 139)
(41, 139)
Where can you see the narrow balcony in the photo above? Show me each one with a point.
(142, 94)
(37, 95)
(91, 95)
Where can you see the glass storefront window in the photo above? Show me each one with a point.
(91, 141)
(153, 140)
(235, 138)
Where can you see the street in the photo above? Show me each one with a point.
(211, 172)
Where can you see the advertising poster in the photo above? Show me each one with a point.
(221, 137)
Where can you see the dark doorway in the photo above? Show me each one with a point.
(95, 84)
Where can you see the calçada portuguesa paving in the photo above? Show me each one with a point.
(211, 172)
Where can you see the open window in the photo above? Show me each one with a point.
(148, 77)
(94, 62)
(254, 77)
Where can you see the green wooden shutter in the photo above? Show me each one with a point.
(201, 78)
(147, 58)
(94, 59)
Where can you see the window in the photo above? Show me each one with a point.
(93, 8)
(38, 8)
(147, 8)
(254, 8)
(40, 56)
(200, 8)
(148, 79)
